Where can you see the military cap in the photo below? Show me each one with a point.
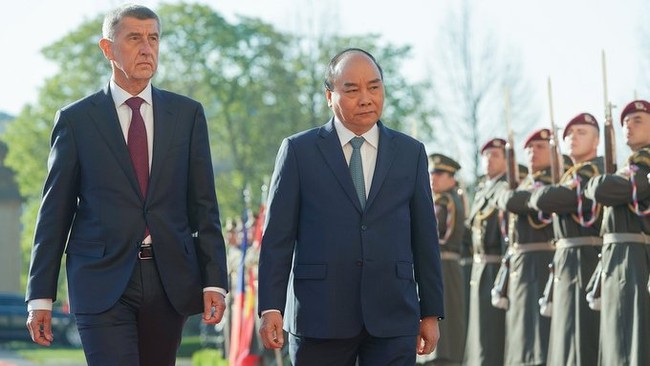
(442, 163)
(635, 106)
(543, 134)
(495, 142)
(581, 119)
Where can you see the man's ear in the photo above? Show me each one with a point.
(107, 48)
(328, 96)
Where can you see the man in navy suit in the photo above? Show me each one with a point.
(130, 197)
(351, 264)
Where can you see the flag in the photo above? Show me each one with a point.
(243, 312)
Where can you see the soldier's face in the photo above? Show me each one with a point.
(581, 142)
(636, 129)
(441, 181)
(538, 153)
(357, 98)
(494, 161)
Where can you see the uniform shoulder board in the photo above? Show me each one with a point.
(640, 157)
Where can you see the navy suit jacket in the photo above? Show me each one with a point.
(93, 209)
(335, 268)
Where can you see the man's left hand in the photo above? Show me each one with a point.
(429, 335)
(214, 306)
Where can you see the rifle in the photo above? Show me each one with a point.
(608, 129)
(593, 287)
(545, 302)
(500, 290)
(556, 155)
(512, 168)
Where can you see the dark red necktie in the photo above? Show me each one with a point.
(137, 142)
(138, 148)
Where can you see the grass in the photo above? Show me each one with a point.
(60, 355)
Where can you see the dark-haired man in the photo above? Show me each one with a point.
(350, 258)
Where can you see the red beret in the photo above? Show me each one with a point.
(581, 119)
(635, 106)
(541, 134)
(495, 142)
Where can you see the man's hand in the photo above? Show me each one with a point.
(429, 335)
(214, 306)
(271, 330)
(39, 324)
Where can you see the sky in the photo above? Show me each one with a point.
(560, 39)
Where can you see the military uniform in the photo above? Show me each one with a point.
(486, 324)
(450, 214)
(574, 326)
(576, 223)
(625, 303)
(531, 251)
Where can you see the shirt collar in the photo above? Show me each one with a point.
(120, 95)
(371, 136)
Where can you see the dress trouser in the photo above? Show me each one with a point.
(364, 348)
(141, 329)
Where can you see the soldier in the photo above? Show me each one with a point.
(574, 326)
(625, 304)
(450, 213)
(485, 329)
(530, 252)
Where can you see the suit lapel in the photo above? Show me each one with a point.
(108, 125)
(385, 156)
(330, 146)
(164, 125)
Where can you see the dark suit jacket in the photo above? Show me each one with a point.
(346, 267)
(92, 203)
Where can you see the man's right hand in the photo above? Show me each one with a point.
(271, 330)
(39, 324)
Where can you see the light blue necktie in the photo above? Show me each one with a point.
(356, 169)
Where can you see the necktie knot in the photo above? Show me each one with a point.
(134, 103)
(357, 141)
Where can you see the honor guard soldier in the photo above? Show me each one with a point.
(576, 223)
(486, 324)
(625, 304)
(531, 250)
(450, 213)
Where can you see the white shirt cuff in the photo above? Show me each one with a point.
(223, 292)
(39, 304)
(271, 311)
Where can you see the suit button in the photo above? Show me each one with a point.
(364, 227)
(359, 263)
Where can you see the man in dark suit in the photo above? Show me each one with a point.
(353, 269)
(130, 198)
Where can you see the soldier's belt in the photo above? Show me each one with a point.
(619, 238)
(449, 256)
(487, 258)
(579, 241)
(517, 248)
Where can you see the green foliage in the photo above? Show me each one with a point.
(208, 357)
(257, 85)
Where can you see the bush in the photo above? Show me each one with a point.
(208, 357)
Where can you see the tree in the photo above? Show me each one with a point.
(474, 72)
(256, 86)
